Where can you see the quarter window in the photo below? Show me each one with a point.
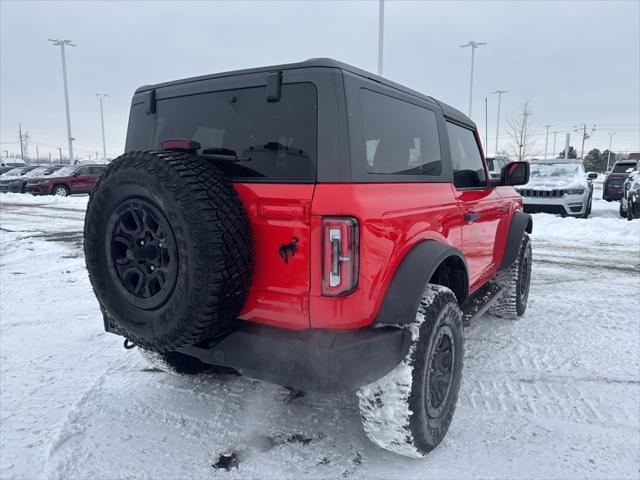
(468, 167)
(399, 137)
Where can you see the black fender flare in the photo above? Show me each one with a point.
(520, 222)
(400, 304)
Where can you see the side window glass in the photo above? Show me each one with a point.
(399, 137)
(468, 168)
(83, 171)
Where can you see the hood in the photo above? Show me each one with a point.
(552, 177)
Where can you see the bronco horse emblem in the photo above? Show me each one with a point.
(289, 249)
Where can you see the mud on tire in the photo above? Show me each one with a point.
(409, 410)
(168, 249)
(515, 282)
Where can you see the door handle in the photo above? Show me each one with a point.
(471, 217)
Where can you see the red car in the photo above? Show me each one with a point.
(312, 225)
(67, 181)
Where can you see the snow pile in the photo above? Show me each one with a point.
(79, 202)
(603, 228)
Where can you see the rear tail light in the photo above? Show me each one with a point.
(340, 255)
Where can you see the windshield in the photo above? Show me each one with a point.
(622, 167)
(36, 171)
(555, 170)
(13, 173)
(64, 171)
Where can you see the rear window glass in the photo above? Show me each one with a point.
(399, 137)
(272, 140)
(622, 167)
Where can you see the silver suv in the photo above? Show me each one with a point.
(558, 186)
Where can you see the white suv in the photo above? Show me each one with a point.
(558, 186)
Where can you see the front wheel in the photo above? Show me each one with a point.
(409, 410)
(515, 282)
(60, 191)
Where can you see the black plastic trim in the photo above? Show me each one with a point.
(520, 222)
(400, 303)
(310, 360)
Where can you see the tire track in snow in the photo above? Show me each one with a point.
(569, 401)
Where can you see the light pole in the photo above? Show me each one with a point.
(611, 134)
(546, 140)
(6, 152)
(499, 92)
(555, 134)
(61, 44)
(380, 35)
(104, 145)
(473, 46)
(60, 151)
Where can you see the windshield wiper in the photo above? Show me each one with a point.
(224, 154)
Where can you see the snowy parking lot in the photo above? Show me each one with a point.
(555, 394)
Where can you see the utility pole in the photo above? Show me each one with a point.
(499, 92)
(611, 134)
(546, 140)
(20, 138)
(37, 154)
(6, 152)
(585, 135)
(566, 146)
(380, 35)
(49, 157)
(555, 134)
(60, 150)
(61, 44)
(473, 46)
(486, 126)
(104, 145)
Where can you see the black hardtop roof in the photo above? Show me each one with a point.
(326, 63)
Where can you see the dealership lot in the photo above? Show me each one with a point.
(553, 395)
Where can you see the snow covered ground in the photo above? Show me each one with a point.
(553, 395)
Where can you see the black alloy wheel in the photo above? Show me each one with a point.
(439, 372)
(141, 253)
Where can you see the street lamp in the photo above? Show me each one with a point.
(611, 134)
(473, 46)
(61, 44)
(100, 96)
(499, 92)
(546, 140)
(380, 35)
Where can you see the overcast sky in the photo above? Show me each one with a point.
(578, 62)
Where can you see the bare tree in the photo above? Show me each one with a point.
(522, 143)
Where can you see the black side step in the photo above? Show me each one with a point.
(478, 303)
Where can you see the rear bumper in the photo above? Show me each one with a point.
(310, 360)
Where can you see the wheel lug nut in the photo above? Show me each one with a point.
(152, 268)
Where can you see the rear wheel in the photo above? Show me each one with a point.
(515, 282)
(409, 410)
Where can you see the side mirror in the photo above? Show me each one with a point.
(75, 174)
(592, 175)
(628, 170)
(515, 173)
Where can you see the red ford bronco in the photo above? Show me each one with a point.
(312, 225)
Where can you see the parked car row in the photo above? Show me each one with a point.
(630, 200)
(60, 180)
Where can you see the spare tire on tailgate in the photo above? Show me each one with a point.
(168, 249)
